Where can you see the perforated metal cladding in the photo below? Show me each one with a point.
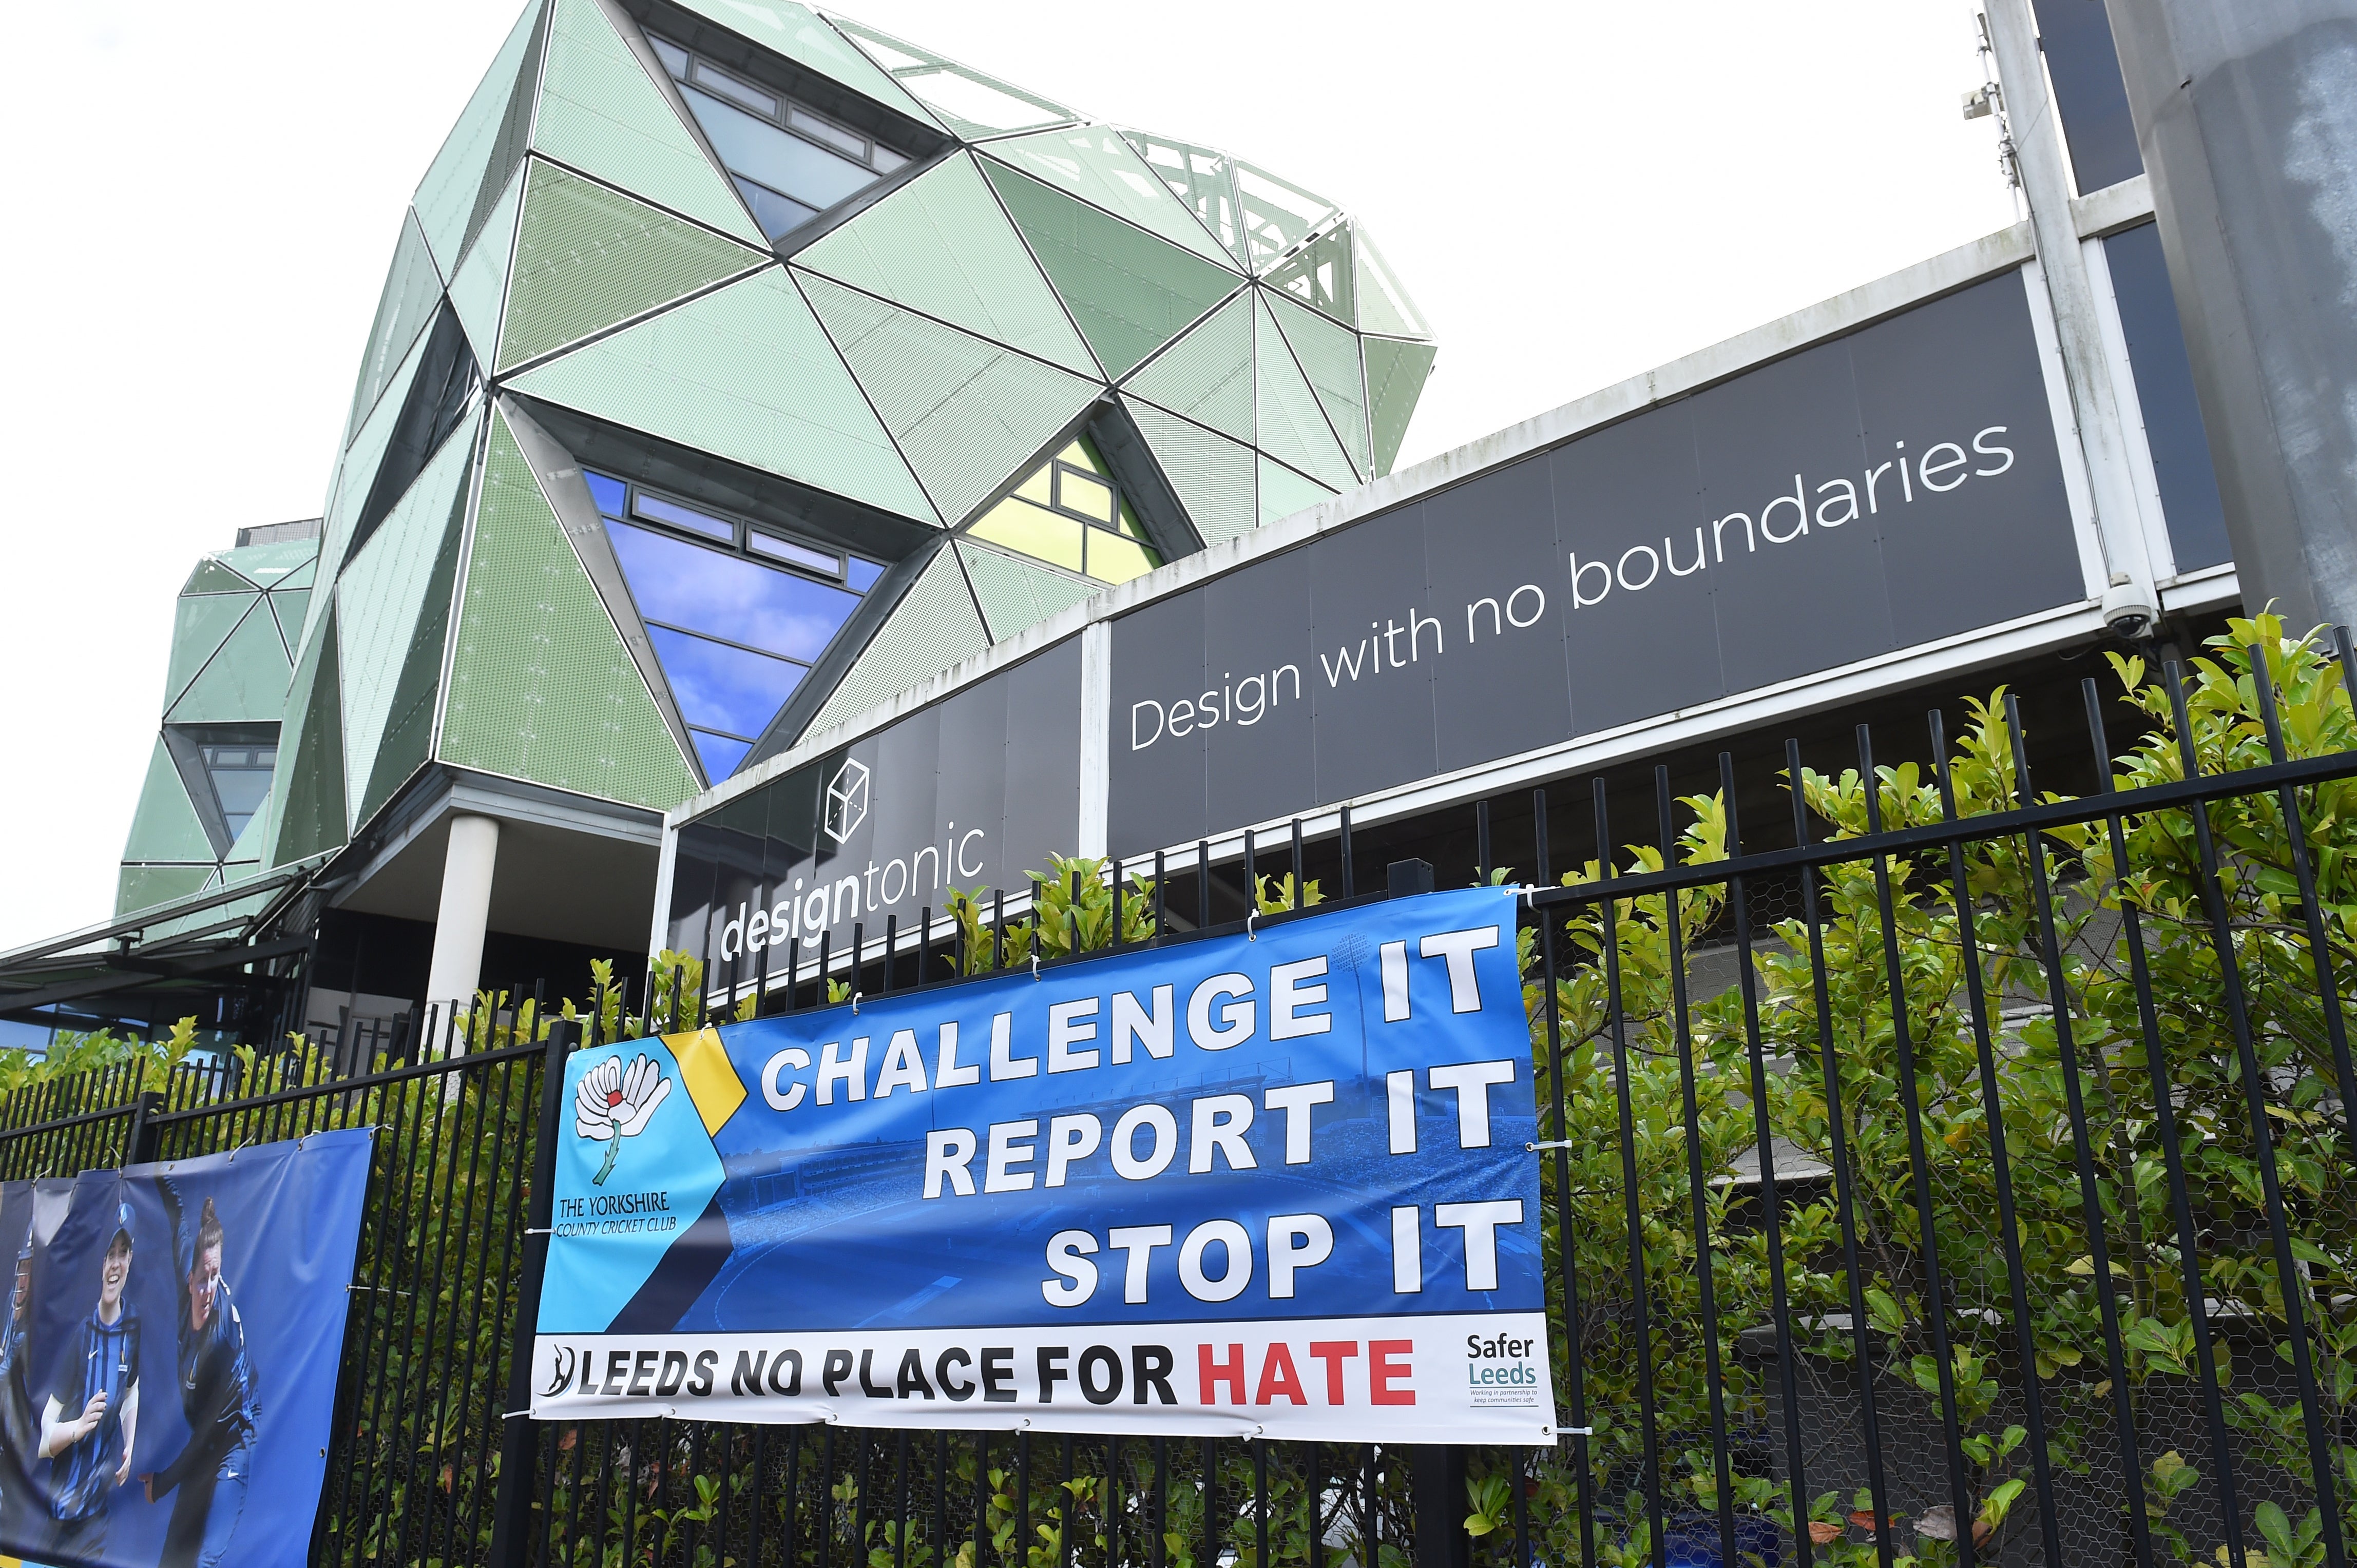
(408, 737)
(1206, 375)
(481, 285)
(448, 197)
(589, 256)
(1130, 292)
(244, 680)
(200, 623)
(1215, 476)
(145, 886)
(933, 627)
(966, 411)
(1094, 164)
(1283, 492)
(1328, 355)
(799, 34)
(1395, 376)
(307, 792)
(1017, 594)
(166, 826)
(746, 372)
(942, 245)
(355, 473)
(382, 593)
(541, 687)
(1293, 428)
(410, 288)
(600, 113)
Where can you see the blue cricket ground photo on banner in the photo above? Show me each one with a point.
(169, 1354)
(1276, 1182)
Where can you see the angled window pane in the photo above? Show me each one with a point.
(720, 756)
(674, 58)
(728, 87)
(240, 781)
(863, 573)
(1112, 559)
(778, 215)
(612, 495)
(826, 131)
(779, 159)
(799, 554)
(1043, 535)
(885, 159)
(728, 596)
(1091, 498)
(657, 509)
(731, 690)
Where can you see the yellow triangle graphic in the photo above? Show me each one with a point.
(711, 1082)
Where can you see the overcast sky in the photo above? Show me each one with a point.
(206, 199)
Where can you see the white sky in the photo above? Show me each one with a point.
(206, 199)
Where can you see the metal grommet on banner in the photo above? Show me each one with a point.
(1035, 963)
(854, 1002)
(1250, 915)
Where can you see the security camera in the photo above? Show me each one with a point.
(2129, 610)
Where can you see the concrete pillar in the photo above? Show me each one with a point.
(2246, 115)
(466, 911)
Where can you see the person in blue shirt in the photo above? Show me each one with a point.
(217, 1395)
(24, 1517)
(98, 1378)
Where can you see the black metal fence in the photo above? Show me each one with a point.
(1948, 1172)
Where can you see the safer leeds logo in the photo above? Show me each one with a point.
(613, 1104)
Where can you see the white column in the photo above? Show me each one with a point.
(466, 911)
(1096, 738)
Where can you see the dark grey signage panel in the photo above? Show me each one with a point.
(1882, 491)
(976, 790)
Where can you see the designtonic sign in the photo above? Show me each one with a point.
(1266, 1183)
(1886, 489)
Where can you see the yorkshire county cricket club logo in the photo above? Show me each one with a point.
(613, 1104)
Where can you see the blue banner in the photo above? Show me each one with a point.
(169, 1354)
(1265, 1182)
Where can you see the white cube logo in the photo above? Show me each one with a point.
(846, 802)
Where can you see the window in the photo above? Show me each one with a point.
(736, 613)
(789, 161)
(241, 778)
(1071, 514)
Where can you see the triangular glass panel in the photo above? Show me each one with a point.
(1383, 306)
(480, 150)
(303, 576)
(1093, 164)
(310, 779)
(588, 257)
(601, 114)
(412, 289)
(1278, 214)
(291, 606)
(1071, 514)
(1202, 178)
(1293, 428)
(934, 625)
(1318, 275)
(747, 373)
(381, 593)
(971, 104)
(212, 577)
(166, 826)
(1206, 375)
(1130, 290)
(200, 623)
(275, 565)
(141, 887)
(1015, 593)
(438, 399)
(244, 681)
(356, 470)
(803, 35)
(1214, 477)
(1283, 492)
(942, 245)
(480, 286)
(1395, 376)
(1328, 353)
(584, 722)
(966, 411)
(227, 772)
(789, 160)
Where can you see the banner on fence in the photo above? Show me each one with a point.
(167, 1368)
(1273, 1183)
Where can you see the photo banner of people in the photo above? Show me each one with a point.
(1278, 1182)
(168, 1352)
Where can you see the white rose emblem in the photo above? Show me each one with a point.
(613, 1104)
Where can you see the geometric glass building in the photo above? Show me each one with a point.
(737, 367)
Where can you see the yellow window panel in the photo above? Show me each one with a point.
(1112, 559)
(1036, 532)
(1079, 456)
(1090, 498)
(1035, 489)
(1129, 523)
